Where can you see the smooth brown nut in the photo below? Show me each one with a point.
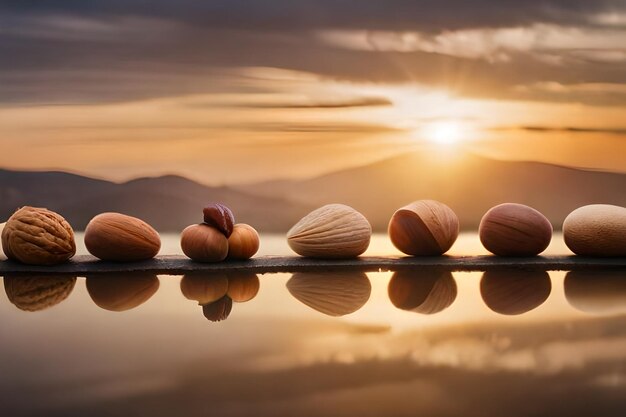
(35, 293)
(243, 243)
(37, 236)
(243, 286)
(514, 230)
(204, 243)
(425, 291)
(218, 310)
(424, 228)
(220, 217)
(333, 294)
(596, 230)
(115, 292)
(122, 238)
(332, 231)
(512, 291)
(204, 288)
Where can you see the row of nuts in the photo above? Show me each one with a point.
(430, 228)
(218, 237)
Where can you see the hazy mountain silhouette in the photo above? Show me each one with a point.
(470, 185)
(168, 203)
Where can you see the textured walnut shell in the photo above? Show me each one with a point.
(204, 243)
(243, 286)
(424, 228)
(122, 238)
(204, 288)
(512, 291)
(596, 292)
(334, 294)
(332, 231)
(35, 293)
(37, 236)
(514, 230)
(427, 291)
(243, 242)
(121, 292)
(596, 230)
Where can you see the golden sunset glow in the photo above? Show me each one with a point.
(444, 133)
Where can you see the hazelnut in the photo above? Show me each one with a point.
(427, 291)
(512, 291)
(424, 228)
(115, 292)
(122, 238)
(35, 293)
(243, 243)
(243, 286)
(220, 217)
(204, 288)
(596, 230)
(514, 230)
(37, 236)
(204, 243)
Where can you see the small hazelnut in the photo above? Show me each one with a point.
(243, 286)
(220, 217)
(37, 236)
(424, 228)
(243, 243)
(514, 230)
(204, 288)
(204, 243)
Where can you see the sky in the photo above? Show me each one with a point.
(229, 92)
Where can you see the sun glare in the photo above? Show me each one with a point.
(443, 133)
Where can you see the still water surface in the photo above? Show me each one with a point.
(424, 342)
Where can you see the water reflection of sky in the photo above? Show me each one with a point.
(426, 342)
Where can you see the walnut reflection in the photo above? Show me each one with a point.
(334, 293)
(122, 291)
(216, 292)
(598, 292)
(36, 293)
(513, 291)
(425, 291)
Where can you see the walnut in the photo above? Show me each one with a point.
(34, 293)
(37, 236)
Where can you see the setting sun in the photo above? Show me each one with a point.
(443, 133)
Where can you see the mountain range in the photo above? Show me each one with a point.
(469, 184)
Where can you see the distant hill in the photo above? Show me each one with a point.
(168, 203)
(470, 185)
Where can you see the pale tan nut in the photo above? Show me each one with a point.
(596, 230)
(332, 231)
(35, 293)
(38, 236)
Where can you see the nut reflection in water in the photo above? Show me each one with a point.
(426, 291)
(216, 292)
(121, 292)
(513, 291)
(332, 293)
(35, 293)
(600, 292)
